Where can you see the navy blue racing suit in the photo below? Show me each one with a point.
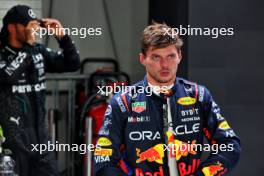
(22, 101)
(134, 131)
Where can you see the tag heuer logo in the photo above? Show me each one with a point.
(139, 106)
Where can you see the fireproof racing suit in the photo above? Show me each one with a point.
(22, 101)
(133, 132)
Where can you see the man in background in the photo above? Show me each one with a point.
(23, 64)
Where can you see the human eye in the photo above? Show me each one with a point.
(171, 56)
(155, 58)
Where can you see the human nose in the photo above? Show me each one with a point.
(164, 62)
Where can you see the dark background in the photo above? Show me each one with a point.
(231, 67)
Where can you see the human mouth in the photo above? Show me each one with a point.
(164, 73)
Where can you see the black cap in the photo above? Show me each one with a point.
(19, 14)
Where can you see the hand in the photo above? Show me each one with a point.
(54, 25)
(30, 34)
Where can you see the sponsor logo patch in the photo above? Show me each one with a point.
(224, 125)
(212, 170)
(138, 119)
(29, 88)
(188, 169)
(108, 110)
(153, 154)
(103, 141)
(31, 13)
(139, 172)
(186, 101)
(190, 112)
(201, 93)
(121, 104)
(139, 106)
(104, 132)
(103, 152)
(144, 135)
(101, 159)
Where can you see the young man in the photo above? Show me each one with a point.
(162, 134)
(23, 64)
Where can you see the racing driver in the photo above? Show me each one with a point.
(23, 64)
(162, 134)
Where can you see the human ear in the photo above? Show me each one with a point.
(142, 59)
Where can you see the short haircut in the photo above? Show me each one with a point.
(159, 35)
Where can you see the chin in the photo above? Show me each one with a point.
(166, 80)
(162, 80)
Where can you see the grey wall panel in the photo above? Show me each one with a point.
(127, 19)
(240, 14)
(232, 68)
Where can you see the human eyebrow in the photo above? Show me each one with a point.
(171, 55)
(155, 56)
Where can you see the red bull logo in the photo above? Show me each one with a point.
(178, 148)
(182, 149)
(212, 170)
(170, 137)
(154, 154)
(186, 170)
(139, 172)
